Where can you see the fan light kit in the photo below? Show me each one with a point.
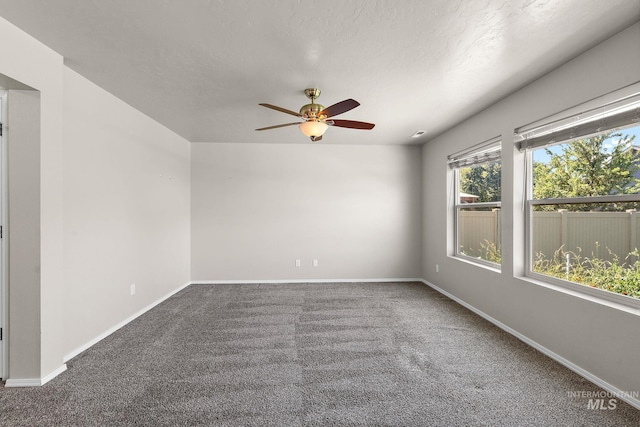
(316, 117)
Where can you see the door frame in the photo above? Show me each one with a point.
(4, 246)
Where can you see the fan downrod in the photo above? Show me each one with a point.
(312, 111)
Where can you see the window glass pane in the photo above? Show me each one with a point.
(601, 165)
(594, 244)
(480, 183)
(479, 233)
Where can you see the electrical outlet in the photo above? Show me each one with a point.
(133, 289)
(297, 263)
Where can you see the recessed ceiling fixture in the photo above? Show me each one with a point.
(418, 134)
(315, 116)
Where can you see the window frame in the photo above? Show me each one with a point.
(530, 203)
(489, 151)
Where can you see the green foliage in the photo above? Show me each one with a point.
(482, 180)
(584, 168)
(488, 251)
(614, 276)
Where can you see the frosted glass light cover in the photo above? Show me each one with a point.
(313, 128)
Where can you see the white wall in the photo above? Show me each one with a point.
(257, 208)
(594, 336)
(127, 210)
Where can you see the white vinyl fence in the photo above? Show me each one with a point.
(477, 229)
(600, 235)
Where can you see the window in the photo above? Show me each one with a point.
(583, 203)
(477, 187)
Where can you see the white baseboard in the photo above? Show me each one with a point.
(108, 332)
(53, 374)
(622, 395)
(232, 282)
(23, 382)
(35, 382)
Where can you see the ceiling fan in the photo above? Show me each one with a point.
(317, 118)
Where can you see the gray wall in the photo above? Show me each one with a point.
(257, 208)
(24, 232)
(593, 335)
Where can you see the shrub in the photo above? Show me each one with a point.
(488, 251)
(614, 276)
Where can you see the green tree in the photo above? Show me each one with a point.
(585, 168)
(482, 180)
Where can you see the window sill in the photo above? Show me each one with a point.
(478, 262)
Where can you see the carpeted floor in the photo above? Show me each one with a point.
(344, 354)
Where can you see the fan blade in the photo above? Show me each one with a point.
(283, 110)
(351, 124)
(280, 126)
(339, 108)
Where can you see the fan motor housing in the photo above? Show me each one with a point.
(311, 111)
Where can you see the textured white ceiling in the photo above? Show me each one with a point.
(200, 67)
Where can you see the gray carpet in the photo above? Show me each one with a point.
(344, 354)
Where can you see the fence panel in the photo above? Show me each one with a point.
(547, 235)
(604, 235)
(601, 235)
(476, 229)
